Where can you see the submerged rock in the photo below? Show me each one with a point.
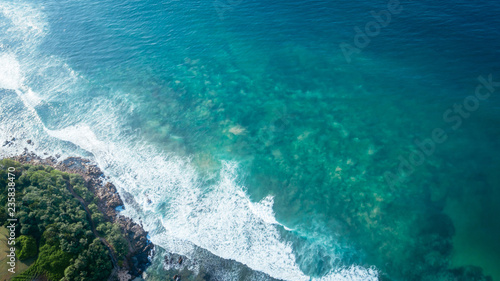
(469, 273)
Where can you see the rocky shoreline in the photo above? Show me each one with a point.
(108, 199)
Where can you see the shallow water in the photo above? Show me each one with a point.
(243, 133)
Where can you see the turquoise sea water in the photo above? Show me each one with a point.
(244, 139)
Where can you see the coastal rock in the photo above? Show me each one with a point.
(108, 199)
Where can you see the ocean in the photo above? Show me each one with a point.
(274, 140)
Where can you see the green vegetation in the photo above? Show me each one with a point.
(27, 247)
(54, 227)
(92, 264)
(114, 236)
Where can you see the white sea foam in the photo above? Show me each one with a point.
(10, 72)
(22, 29)
(12, 78)
(219, 217)
(178, 208)
(27, 24)
(352, 273)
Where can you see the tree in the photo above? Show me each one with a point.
(54, 260)
(49, 214)
(93, 264)
(28, 247)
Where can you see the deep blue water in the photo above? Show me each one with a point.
(243, 133)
